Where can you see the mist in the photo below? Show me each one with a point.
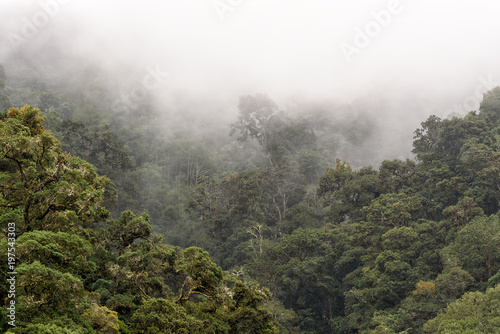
(250, 166)
(396, 61)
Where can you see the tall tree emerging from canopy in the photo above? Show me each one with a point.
(253, 120)
(72, 279)
(42, 186)
(490, 106)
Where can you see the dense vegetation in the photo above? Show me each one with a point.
(128, 225)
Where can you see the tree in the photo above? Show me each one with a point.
(253, 119)
(305, 271)
(43, 187)
(246, 312)
(122, 232)
(426, 139)
(463, 212)
(475, 312)
(422, 305)
(392, 209)
(477, 247)
(490, 106)
(103, 320)
(452, 283)
(396, 175)
(347, 191)
(202, 275)
(480, 158)
(288, 143)
(45, 290)
(56, 250)
(442, 177)
(164, 316)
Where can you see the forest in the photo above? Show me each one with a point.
(254, 226)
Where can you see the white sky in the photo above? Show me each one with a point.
(279, 47)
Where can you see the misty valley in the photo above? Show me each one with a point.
(249, 167)
(127, 221)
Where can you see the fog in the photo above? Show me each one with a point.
(398, 60)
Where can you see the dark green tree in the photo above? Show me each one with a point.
(43, 187)
(475, 312)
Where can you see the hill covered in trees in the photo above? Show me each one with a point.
(125, 225)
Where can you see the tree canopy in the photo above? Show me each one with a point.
(127, 225)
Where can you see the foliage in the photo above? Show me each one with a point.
(164, 316)
(270, 231)
(43, 187)
(474, 312)
(103, 320)
(72, 279)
